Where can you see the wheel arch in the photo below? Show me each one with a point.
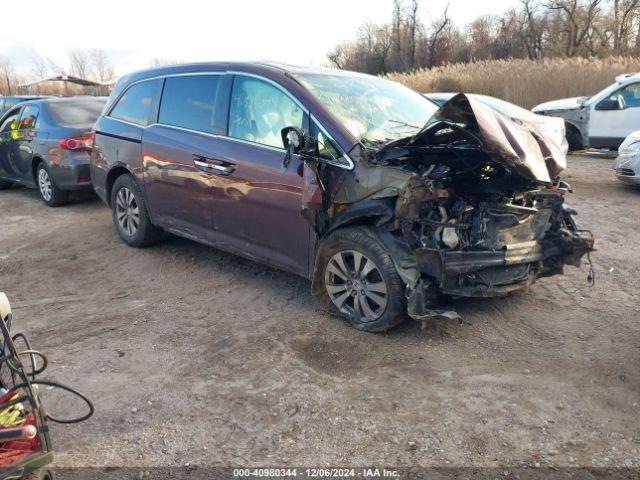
(574, 131)
(35, 161)
(112, 176)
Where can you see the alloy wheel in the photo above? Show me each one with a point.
(356, 286)
(127, 211)
(44, 184)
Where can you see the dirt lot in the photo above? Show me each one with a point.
(193, 355)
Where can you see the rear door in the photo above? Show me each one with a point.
(258, 208)
(8, 137)
(118, 135)
(179, 157)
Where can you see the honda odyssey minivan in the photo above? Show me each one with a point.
(387, 203)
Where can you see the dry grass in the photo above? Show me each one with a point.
(523, 82)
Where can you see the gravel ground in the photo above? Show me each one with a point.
(196, 356)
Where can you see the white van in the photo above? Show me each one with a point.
(603, 120)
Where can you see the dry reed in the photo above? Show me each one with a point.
(523, 82)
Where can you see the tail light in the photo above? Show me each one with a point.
(82, 143)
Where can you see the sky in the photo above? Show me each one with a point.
(133, 32)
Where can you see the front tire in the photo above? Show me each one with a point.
(130, 214)
(49, 192)
(574, 139)
(4, 185)
(356, 279)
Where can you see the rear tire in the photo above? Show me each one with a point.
(49, 192)
(130, 214)
(5, 185)
(356, 279)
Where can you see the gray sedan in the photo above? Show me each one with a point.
(46, 144)
(627, 164)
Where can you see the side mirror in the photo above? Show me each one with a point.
(294, 137)
(295, 140)
(609, 104)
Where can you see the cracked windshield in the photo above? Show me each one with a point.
(374, 110)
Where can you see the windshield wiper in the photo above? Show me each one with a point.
(405, 124)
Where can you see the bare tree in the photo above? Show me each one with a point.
(439, 27)
(625, 13)
(536, 29)
(531, 29)
(337, 56)
(397, 31)
(79, 64)
(412, 20)
(102, 66)
(40, 67)
(578, 20)
(7, 76)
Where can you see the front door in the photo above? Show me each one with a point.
(610, 127)
(8, 137)
(258, 209)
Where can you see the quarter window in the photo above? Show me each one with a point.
(29, 117)
(259, 111)
(189, 101)
(135, 105)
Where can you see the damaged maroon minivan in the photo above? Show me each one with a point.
(386, 203)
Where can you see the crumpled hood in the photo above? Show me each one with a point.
(562, 104)
(521, 147)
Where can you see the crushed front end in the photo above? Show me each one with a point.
(471, 206)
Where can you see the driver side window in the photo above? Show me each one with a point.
(630, 95)
(259, 111)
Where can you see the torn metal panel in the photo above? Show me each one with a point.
(520, 147)
(471, 206)
(371, 182)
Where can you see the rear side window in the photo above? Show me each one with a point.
(135, 105)
(73, 114)
(259, 111)
(29, 117)
(189, 101)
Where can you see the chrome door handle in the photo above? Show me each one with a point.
(217, 167)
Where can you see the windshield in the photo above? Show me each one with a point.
(372, 109)
(78, 113)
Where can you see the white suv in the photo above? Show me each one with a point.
(602, 120)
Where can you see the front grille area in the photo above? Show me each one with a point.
(627, 172)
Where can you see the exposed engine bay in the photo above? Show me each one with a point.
(471, 206)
